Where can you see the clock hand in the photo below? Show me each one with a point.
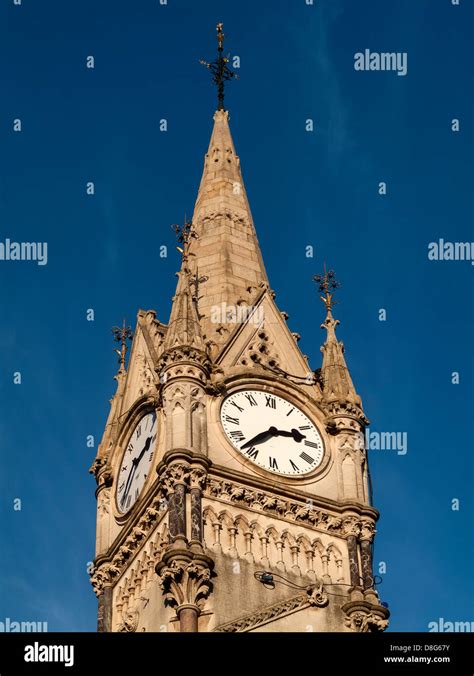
(135, 463)
(261, 438)
(144, 450)
(131, 474)
(296, 434)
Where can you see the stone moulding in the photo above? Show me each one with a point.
(289, 510)
(313, 597)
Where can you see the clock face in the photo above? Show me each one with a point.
(136, 462)
(272, 432)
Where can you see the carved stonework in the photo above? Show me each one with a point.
(185, 582)
(261, 501)
(260, 350)
(106, 573)
(362, 616)
(129, 623)
(314, 596)
(366, 622)
(103, 501)
(145, 374)
(346, 409)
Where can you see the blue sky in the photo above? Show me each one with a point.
(318, 189)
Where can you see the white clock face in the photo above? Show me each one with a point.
(272, 432)
(136, 462)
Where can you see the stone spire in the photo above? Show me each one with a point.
(225, 248)
(184, 328)
(336, 380)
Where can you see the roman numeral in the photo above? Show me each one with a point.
(311, 443)
(235, 421)
(252, 452)
(139, 431)
(251, 399)
(271, 401)
(305, 427)
(128, 501)
(121, 486)
(123, 468)
(237, 435)
(307, 458)
(151, 455)
(295, 467)
(273, 463)
(153, 438)
(136, 493)
(291, 411)
(130, 448)
(237, 406)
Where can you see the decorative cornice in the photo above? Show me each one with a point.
(290, 510)
(314, 596)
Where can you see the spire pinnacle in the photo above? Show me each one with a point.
(336, 379)
(121, 335)
(184, 328)
(219, 69)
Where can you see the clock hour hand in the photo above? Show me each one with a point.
(296, 434)
(260, 438)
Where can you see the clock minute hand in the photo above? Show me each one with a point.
(260, 438)
(131, 474)
(144, 450)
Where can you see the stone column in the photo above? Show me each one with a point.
(104, 613)
(366, 561)
(353, 560)
(197, 481)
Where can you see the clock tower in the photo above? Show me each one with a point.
(232, 479)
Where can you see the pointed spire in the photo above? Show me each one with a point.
(335, 376)
(184, 328)
(226, 248)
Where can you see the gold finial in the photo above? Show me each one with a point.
(219, 69)
(121, 335)
(220, 35)
(327, 284)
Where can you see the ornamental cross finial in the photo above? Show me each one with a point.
(184, 234)
(327, 284)
(219, 69)
(121, 335)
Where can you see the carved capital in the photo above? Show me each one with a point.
(367, 530)
(185, 580)
(351, 526)
(364, 617)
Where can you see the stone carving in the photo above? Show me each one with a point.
(185, 583)
(103, 502)
(260, 350)
(145, 374)
(265, 502)
(366, 622)
(314, 596)
(129, 623)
